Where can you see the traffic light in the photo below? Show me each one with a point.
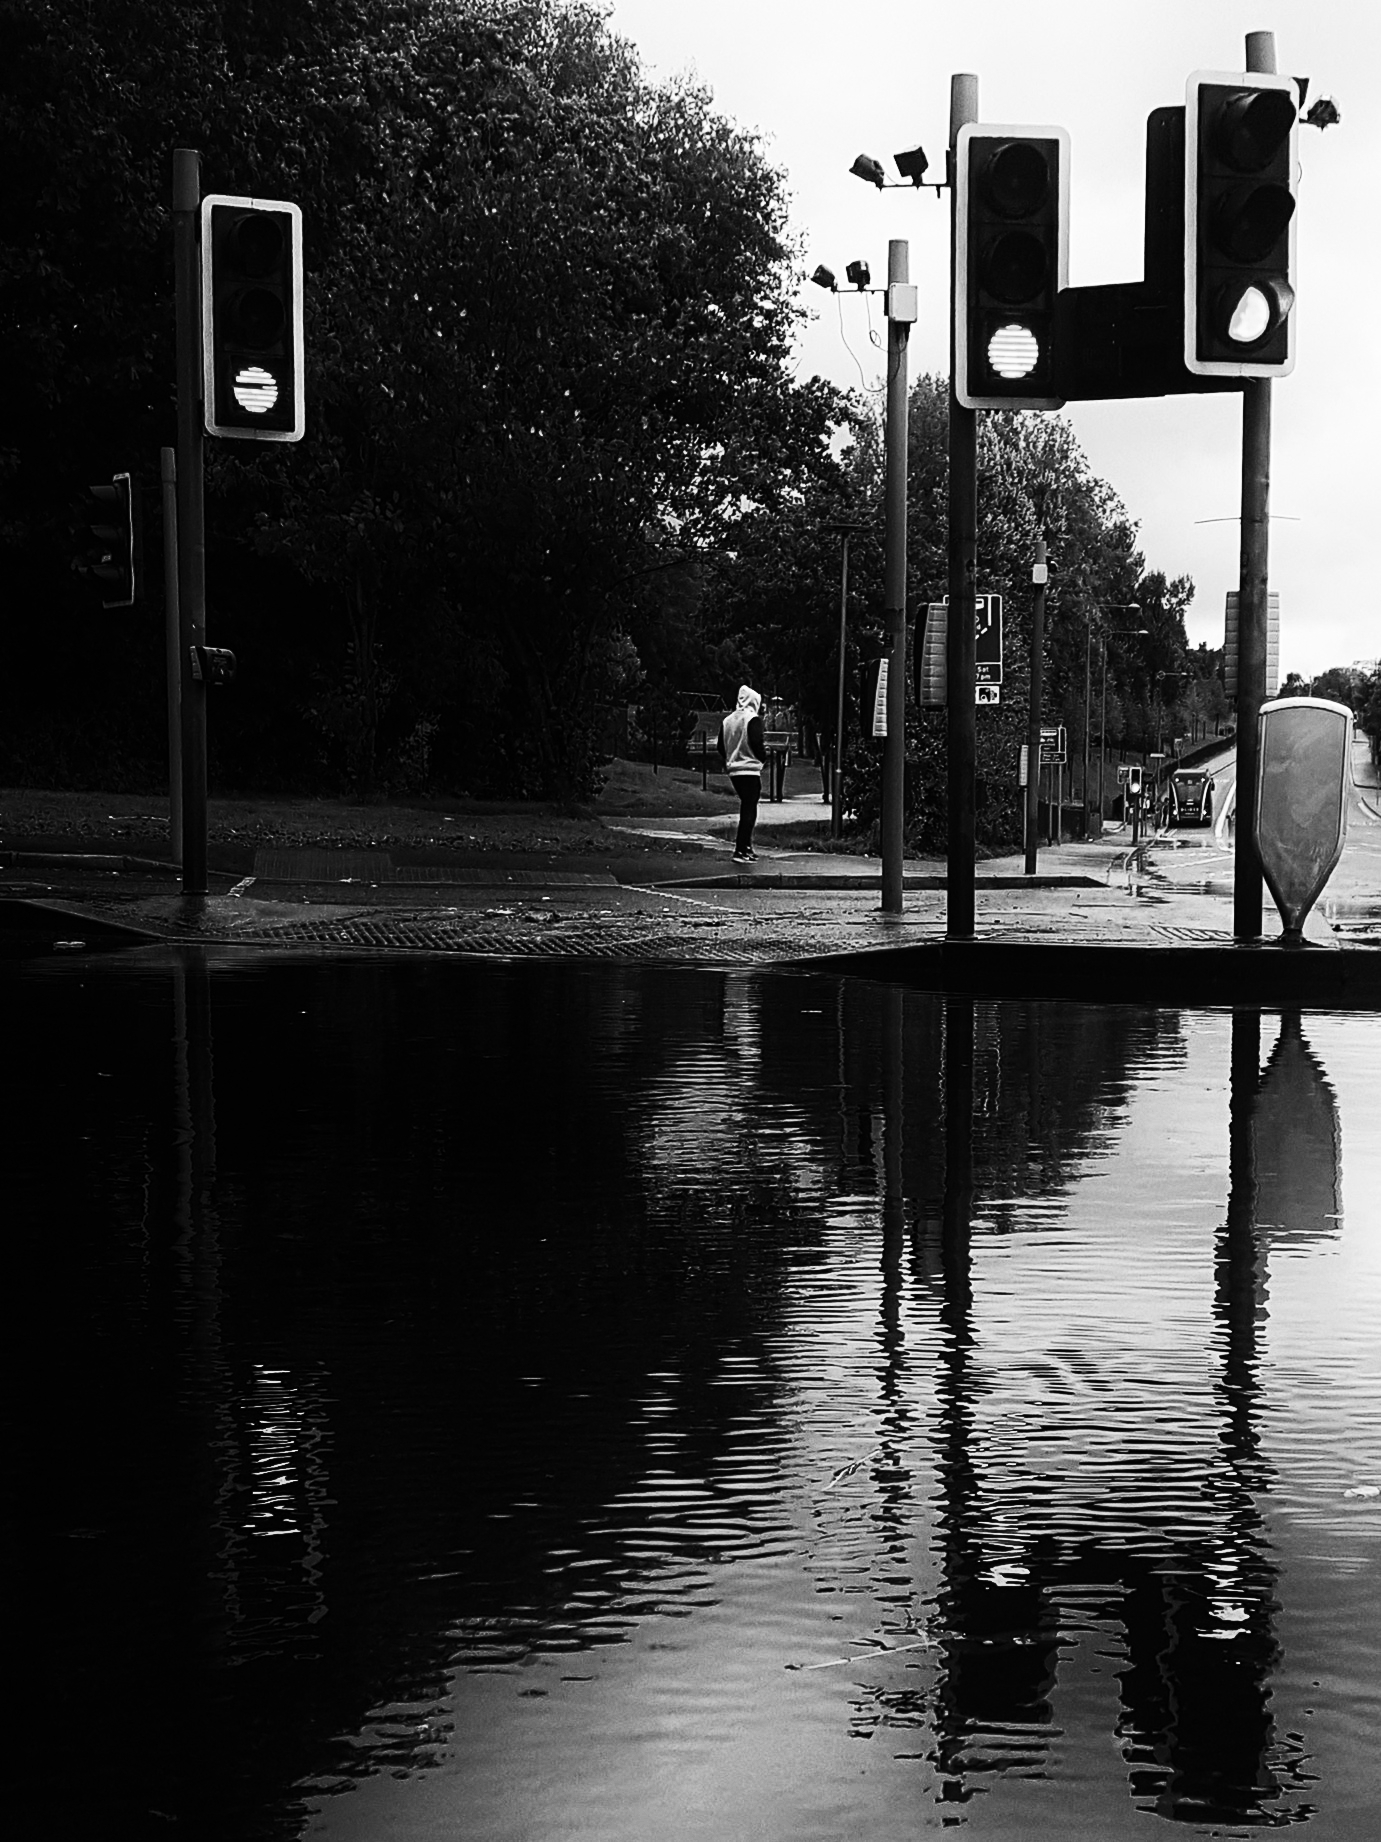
(1134, 782)
(1239, 241)
(1011, 258)
(251, 303)
(111, 554)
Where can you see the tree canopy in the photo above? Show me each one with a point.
(550, 308)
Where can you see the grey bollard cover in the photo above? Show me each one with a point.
(1304, 765)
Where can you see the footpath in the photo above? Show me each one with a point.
(1101, 920)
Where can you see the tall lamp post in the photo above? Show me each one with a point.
(846, 531)
(1100, 607)
(1103, 716)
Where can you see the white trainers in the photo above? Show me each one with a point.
(740, 858)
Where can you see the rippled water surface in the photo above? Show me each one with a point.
(540, 1402)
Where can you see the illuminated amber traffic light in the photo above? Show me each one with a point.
(1240, 185)
(251, 270)
(1011, 260)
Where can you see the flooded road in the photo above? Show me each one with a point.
(548, 1401)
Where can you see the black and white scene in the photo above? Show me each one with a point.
(690, 920)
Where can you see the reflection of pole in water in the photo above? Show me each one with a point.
(1209, 1751)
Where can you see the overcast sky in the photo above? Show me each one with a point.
(823, 82)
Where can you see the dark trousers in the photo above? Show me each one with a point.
(749, 789)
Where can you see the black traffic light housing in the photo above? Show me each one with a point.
(1241, 177)
(111, 554)
(252, 336)
(1011, 198)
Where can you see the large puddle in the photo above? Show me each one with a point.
(538, 1402)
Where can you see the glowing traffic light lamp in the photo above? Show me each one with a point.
(1011, 260)
(251, 277)
(1240, 179)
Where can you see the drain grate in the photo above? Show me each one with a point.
(436, 876)
(557, 943)
(1200, 936)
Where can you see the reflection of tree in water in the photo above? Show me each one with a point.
(1191, 1605)
(461, 1259)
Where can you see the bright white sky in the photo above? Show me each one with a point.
(822, 83)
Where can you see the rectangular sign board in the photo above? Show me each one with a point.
(880, 701)
(1054, 747)
(987, 693)
(1230, 644)
(934, 664)
(988, 652)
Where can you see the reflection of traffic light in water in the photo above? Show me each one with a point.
(1194, 1597)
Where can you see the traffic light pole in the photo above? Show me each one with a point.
(173, 638)
(1033, 708)
(191, 570)
(962, 731)
(894, 596)
(1252, 604)
(1252, 608)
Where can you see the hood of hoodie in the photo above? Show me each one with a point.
(749, 699)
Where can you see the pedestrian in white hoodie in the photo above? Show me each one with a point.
(742, 752)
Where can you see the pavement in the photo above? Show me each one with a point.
(1098, 920)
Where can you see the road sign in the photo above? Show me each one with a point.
(987, 693)
(880, 701)
(988, 649)
(1054, 747)
(1230, 643)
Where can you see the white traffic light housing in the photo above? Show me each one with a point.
(1240, 180)
(1011, 258)
(251, 303)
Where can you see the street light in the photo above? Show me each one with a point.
(846, 531)
(1099, 607)
(1103, 714)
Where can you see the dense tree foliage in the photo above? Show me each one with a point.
(550, 309)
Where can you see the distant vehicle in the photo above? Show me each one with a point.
(1191, 799)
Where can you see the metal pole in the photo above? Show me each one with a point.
(894, 598)
(1251, 647)
(1088, 688)
(173, 649)
(1103, 731)
(963, 520)
(837, 809)
(191, 530)
(1252, 604)
(1033, 709)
